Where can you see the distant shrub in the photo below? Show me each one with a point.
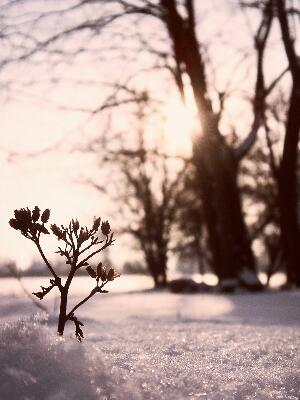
(80, 245)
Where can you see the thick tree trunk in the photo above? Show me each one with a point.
(161, 280)
(210, 218)
(288, 181)
(288, 190)
(215, 161)
(159, 276)
(157, 266)
(229, 241)
(161, 261)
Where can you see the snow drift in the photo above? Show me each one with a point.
(156, 346)
(35, 364)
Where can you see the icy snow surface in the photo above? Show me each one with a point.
(155, 345)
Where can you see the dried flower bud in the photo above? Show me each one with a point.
(56, 231)
(96, 224)
(103, 275)
(110, 275)
(105, 228)
(91, 272)
(14, 224)
(45, 216)
(23, 215)
(35, 214)
(83, 236)
(75, 225)
(19, 225)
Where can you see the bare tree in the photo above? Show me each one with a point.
(148, 191)
(217, 162)
(285, 203)
(288, 181)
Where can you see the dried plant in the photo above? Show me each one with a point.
(80, 245)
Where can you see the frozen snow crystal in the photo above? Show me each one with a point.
(35, 364)
(158, 346)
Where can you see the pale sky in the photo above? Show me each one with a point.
(31, 121)
(54, 178)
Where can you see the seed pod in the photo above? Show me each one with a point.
(96, 224)
(85, 236)
(19, 225)
(56, 231)
(111, 274)
(14, 224)
(91, 272)
(45, 216)
(23, 215)
(82, 237)
(105, 228)
(75, 225)
(103, 275)
(35, 215)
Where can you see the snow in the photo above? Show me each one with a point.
(35, 364)
(155, 345)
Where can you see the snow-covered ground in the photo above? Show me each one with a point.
(154, 345)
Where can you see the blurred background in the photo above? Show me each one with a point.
(176, 120)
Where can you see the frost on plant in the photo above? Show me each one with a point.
(79, 246)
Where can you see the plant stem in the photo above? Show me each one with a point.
(107, 243)
(62, 312)
(94, 291)
(57, 279)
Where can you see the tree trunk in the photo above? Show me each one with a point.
(209, 212)
(235, 244)
(214, 159)
(288, 188)
(160, 269)
(156, 265)
(228, 237)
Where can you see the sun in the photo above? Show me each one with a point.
(180, 124)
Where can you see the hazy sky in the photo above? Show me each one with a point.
(31, 121)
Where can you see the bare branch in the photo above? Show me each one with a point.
(260, 94)
(274, 165)
(108, 242)
(273, 84)
(287, 39)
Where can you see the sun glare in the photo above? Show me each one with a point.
(180, 124)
